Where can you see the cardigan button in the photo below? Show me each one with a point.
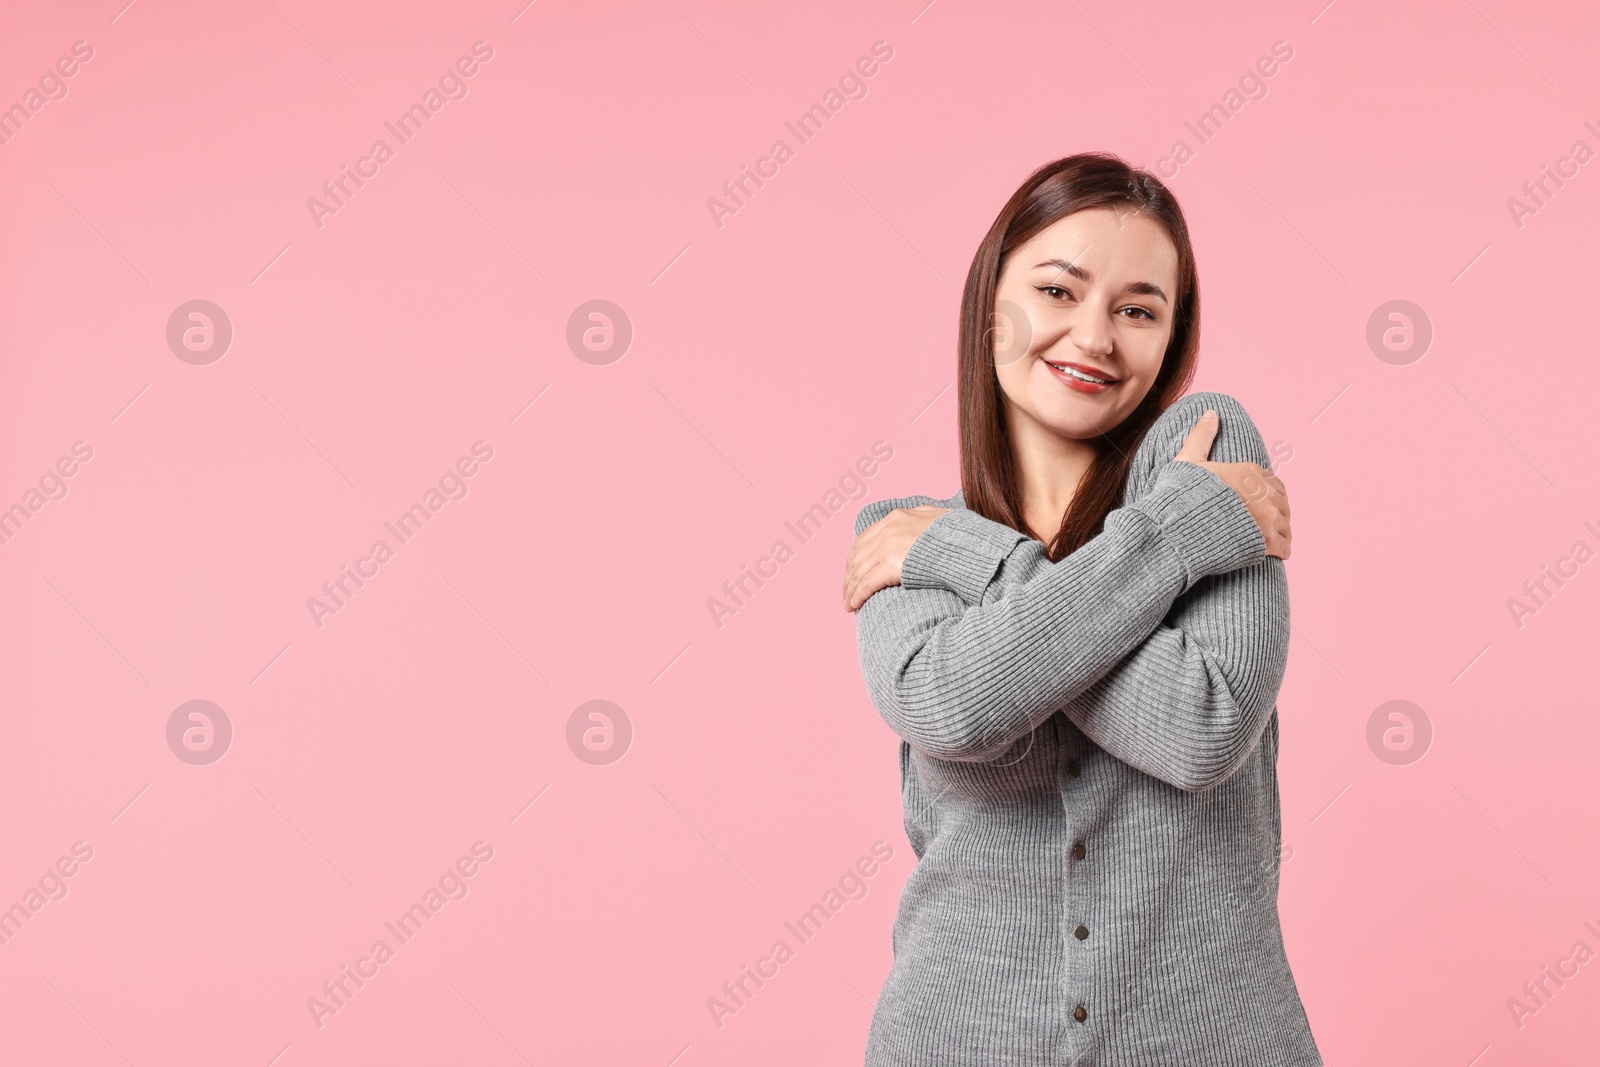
(1081, 932)
(1073, 770)
(1079, 1014)
(1077, 851)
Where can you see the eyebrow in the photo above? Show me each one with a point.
(1144, 288)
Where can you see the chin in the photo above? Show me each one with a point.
(1080, 429)
(1082, 417)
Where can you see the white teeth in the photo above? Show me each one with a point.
(1078, 374)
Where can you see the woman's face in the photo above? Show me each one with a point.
(1091, 294)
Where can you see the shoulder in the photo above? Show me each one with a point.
(877, 509)
(1237, 440)
(1187, 408)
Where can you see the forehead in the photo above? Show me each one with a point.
(1116, 244)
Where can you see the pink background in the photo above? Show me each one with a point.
(767, 356)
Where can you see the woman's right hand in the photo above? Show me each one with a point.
(1261, 490)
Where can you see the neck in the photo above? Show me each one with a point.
(1049, 468)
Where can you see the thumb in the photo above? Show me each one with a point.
(1197, 446)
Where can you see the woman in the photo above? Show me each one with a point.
(1081, 652)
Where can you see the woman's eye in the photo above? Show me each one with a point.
(1054, 291)
(1143, 311)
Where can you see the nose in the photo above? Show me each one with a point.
(1091, 332)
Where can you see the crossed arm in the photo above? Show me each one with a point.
(1164, 639)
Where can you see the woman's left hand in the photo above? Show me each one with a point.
(875, 558)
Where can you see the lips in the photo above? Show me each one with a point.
(1081, 377)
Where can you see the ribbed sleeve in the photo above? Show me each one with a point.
(959, 551)
(1188, 702)
(963, 680)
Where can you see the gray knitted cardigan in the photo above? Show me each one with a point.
(1088, 766)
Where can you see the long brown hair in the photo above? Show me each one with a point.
(988, 475)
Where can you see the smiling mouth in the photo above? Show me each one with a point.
(1079, 374)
